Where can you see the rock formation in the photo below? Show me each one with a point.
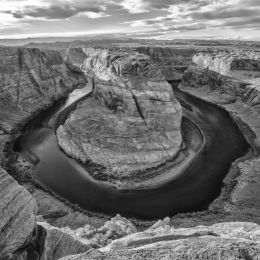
(236, 74)
(213, 80)
(65, 241)
(17, 215)
(31, 80)
(239, 64)
(133, 120)
(227, 241)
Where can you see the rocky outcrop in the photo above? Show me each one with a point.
(17, 215)
(65, 241)
(58, 243)
(31, 80)
(133, 120)
(231, 240)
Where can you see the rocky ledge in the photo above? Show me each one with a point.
(227, 241)
(133, 120)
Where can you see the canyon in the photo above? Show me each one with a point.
(125, 123)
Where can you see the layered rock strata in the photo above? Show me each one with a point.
(31, 80)
(17, 215)
(133, 120)
(240, 64)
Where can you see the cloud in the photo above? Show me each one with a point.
(60, 10)
(143, 17)
(135, 6)
(189, 15)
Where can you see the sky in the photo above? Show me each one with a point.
(157, 19)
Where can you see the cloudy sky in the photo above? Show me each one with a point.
(159, 19)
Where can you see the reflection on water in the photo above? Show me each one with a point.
(194, 190)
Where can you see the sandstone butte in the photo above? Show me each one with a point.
(133, 120)
(42, 77)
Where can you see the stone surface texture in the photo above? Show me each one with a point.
(65, 241)
(133, 120)
(31, 80)
(227, 241)
(17, 215)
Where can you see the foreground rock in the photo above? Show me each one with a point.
(232, 240)
(31, 80)
(133, 120)
(17, 215)
(61, 242)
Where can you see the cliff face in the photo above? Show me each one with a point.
(132, 122)
(17, 215)
(239, 64)
(31, 79)
(234, 74)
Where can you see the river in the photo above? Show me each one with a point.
(194, 189)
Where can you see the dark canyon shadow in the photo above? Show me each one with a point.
(192, 191)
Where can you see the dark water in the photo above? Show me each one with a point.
(194, 190)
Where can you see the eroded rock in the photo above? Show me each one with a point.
(17, 215)
(236, 63)
(133, 120)
(31, 80)
(231, 240)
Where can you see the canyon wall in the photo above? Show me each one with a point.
(240, 64)
(132, 107)
(133, 120)
(235, 74)
(215, 82)
(30, 80)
